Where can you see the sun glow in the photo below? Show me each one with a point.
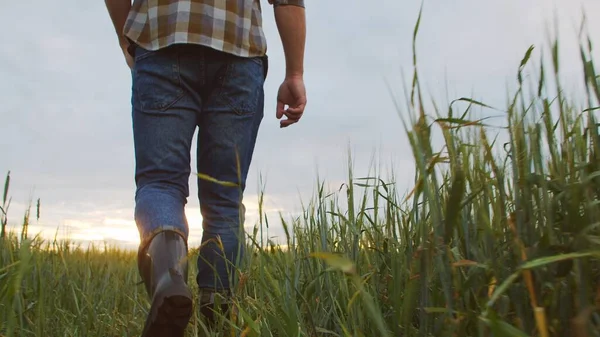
(119, 228)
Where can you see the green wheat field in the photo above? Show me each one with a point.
(497, 238)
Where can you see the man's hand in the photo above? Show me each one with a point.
(291, 23)
(292, 93)
(118, 11)
(128, 58)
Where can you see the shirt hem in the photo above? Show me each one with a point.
(152, 47)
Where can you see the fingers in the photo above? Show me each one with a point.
(128, 59)
(291, 119)
(293, 116)
(299, 110)
(280, 109)
(287, 122)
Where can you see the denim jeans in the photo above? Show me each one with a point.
(176, 90)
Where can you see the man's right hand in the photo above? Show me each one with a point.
(128, 58)
(292, 94)
(118, 11)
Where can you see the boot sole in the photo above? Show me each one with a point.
(171, 309)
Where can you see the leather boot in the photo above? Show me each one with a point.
(212, 303)
(163, 267)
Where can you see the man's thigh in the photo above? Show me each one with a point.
(228, 128)
(164, 121)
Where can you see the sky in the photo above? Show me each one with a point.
(65, 121)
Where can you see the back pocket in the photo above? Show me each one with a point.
(241, 85)
(156, 80)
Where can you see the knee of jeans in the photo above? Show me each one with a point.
(163, 188)
(163, 176)
(224, 221)
(221, 226)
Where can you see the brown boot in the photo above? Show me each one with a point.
(163, 267)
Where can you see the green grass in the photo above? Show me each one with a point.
(494, 240)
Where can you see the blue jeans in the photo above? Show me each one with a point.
(176, 90)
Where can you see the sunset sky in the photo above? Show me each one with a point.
(66, 120)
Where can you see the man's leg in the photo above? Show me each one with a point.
(228, 127)
(164, 121)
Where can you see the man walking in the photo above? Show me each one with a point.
(199, 64)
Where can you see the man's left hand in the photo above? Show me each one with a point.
(293, 94)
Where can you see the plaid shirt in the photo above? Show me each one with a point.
(231, 26)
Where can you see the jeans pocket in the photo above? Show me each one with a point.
(156, 80)
(241, 86)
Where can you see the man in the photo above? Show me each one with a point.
(199, 63)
